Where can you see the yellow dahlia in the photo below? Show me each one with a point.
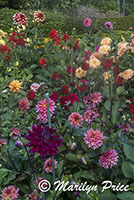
(106, 75)
(104, 49)
(94, 62)
(2, 42)
(15, 86)
(79, 73)
(106, 41)
(127, 74)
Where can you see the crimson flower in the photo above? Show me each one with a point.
(31, 95)
(43, 62)
(118, 80)
(63, 100)
(72, 97)
(65, 89)
(84, 86)
(17, 39)
(85, 66)
(54, 96)
(5, 49)
(69, 70)
(56, 76)
(43, 140)
(116, 70)
(65, 37)
(107, 63)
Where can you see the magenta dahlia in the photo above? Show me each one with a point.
(43, 140)
(108, 159)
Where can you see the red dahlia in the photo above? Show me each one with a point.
(65, 89)
(43, 62)
(56, 76)
(54, 96)
(72, 97)
(31, 95)
(107, 63)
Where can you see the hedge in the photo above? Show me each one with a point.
(64, 23)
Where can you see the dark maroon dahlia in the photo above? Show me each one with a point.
(43, 140)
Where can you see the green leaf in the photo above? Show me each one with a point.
(128, 169)
(126, 195)
(120, 90)
(115, 112)
(108, 196)
(129, 152)
(72, 157)
(107, 105)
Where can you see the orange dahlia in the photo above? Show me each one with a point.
(15, 86)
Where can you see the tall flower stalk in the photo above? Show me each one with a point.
(50, 126)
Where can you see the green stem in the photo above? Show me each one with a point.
(50, 126)
(72, 65)
(111, 99)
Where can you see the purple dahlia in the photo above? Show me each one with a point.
(43, 140)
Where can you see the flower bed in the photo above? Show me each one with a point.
(66, 114)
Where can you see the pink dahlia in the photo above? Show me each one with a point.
(2, 142)
(109, 25)
(24, 104)
(48, 165)
(87, 22)
(20, 19)
(93, 138)
(42, 109)
(108, 159)
(43, 140)
(93, 99)
(75, 119)
(15, 133)
(10, 192)
(90, 114)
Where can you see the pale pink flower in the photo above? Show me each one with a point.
(93, 138)
(48, 165)
(35, 87)
(75, 119)
(108, 159)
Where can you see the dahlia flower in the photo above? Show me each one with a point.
(93, 99)
(75, 119)
(107, 75)
(93, 138)
(79, 73)
(35, 87)
(127, 74)
(20, 19)
(2, 142)
(10, 192)
(15, 86)
(43, 140)
(15, 133)
(90, 114)
(108, 159)
(39, 16)
(42, 109)
(104, 49)
(94, 62)
(48, 165)
(106, 41)
(24, 104)
(87, 22)
(109, 25)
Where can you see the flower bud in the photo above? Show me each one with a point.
(18, 143)
(73, 146)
